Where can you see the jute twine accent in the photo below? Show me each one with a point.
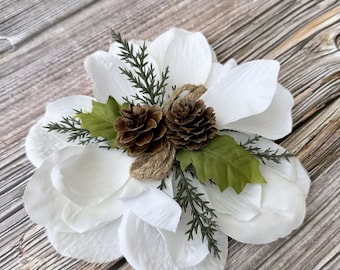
(157, 166)
(195, 91)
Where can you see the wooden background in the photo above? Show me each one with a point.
(42, 47)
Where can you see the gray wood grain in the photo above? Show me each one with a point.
(21, 20)
(52, 38)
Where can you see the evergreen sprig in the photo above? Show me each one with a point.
(162, 185)
(143, 76)
(72, 126)
(203, 217)
(268, 154)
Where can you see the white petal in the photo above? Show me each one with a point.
(39, 143)
(213, 55)
(134, 186)
(103, 69)
(194, 254)
(282, 210)
(65, 106)
(82, 219)
(92, 176)
(114, 49)
(100, 245)
(243, 206)
(142, 245)
(246, 90)
(230, 64)
(185, 253)
(156, 208)
(211, 261)
(291, 170)
(302, 178)
(275, 122)
(187, 54)
(144, 248)
(218, 72)
(42, 201)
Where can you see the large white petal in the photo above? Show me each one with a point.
(218, 72)
(184, 252)
(243, 206)
(42, 201)
(193, 254)
(302, 177)
(103, 69)
(134, 186)
(65, 106)
(156, 208)
(246, 90)
(100, 245)
(144, 248)
(187, 54)
(92, 176)
(282, 210)
(211, 261)
(291, 170)
(82, 219)
(39, 143)
(275, 122)
(142, 245)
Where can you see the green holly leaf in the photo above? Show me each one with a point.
(101, 119)
(224, 162)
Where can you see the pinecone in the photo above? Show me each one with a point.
(190, 124)
(140, 129)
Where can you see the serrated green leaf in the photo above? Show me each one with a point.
(101, 119)
(225, 162)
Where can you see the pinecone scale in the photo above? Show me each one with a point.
(140, 129)
(190, 124)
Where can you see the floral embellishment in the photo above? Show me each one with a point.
(173, 155)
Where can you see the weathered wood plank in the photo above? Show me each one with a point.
(21, 20)
(317, 142)
(47, 64)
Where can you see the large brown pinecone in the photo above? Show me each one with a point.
(141, 129)
(190, 124)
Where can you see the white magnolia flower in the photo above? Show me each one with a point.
(94, 210)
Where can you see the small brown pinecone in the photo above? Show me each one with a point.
(190, 124)
(140, 129)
